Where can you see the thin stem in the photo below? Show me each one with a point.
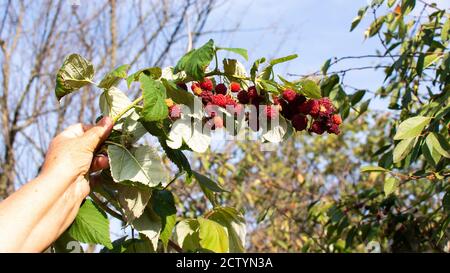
(128, 108)
(105, 207)
(174, 179)
(176, 247)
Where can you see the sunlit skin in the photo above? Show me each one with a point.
(40, 211)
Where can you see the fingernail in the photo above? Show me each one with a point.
(105, 122)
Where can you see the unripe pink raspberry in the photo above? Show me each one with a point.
(175, 112)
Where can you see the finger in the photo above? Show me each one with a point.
(97, 134)
(87, 127)
(73, 131)
(99, 162)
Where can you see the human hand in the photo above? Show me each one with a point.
(40, 211)
(72, 151)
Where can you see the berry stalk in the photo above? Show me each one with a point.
(128, 108)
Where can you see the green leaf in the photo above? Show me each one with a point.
(234, 222)
(187, 235)
(326, 66)
(141, 164)
(177, 157)
(373, 169)
(446, 201)
(153, 72)
(207, 182)
(438, 143)
(310, 89)
(403, 148)
(149, 224)
(233, 69)
(213, 236)
(430, 154)
(66, 244)
(375, 27)
(75, 73)
(255, 68)
(390, 185)
(154, 93)
(114, 77)
(358, 18)
(129, 246)
(113, 101)
(357, 97)
(91, 225)
(328, 84)
(411, 127)
(430, 59)
(133, 200)
(195, 62)
(163, 204)
(283, 59)
(445, 32)
(241, 51)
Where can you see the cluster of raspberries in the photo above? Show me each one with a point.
(296, 108)
(292, 106)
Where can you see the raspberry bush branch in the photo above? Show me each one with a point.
(137, 183)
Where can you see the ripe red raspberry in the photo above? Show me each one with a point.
(271, 111)
(206, 97)
(196, 89)
(182, 85)
(334, 129)
(243, 97)
(304, 108)
(317, 127)
(252, 92)
(285, 109)
(218, 122)
(207, 84)
(235, 87)
(299, 122)
(326, 107)
(219, 100)
(314, 108)
(222, 101)
(221, 89)
(231, 101)
(175, 112)
(336, 119)
(289, 95)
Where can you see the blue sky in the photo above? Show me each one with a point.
(314, 30)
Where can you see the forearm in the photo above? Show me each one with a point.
(27, 209)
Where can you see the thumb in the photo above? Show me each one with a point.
(93, 137)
